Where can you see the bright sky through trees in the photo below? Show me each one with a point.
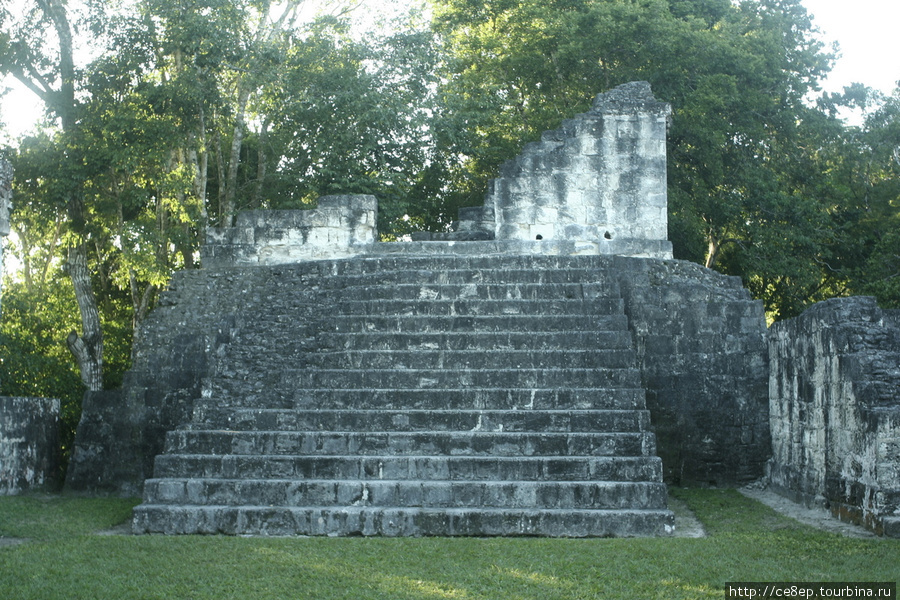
(866, 32)
(863, 28)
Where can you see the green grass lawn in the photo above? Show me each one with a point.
(65, 558)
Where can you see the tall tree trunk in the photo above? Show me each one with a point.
(246, 84)
(220, 176)
(200, 161)
(712, 252)
(261, 164)
(141, 304)
(227, 217)
(88, 347)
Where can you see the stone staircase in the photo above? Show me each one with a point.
(441, 395)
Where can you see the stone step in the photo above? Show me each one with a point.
(258, 394)
(253, 419)
(399, 522)
(471, 443)
(469, 340)
(451, 379)
(475, 398)
(434, 350)
(417, 324)
(428, 394)
(388, 262)
(479, 307)
(266, 363)
(495, 275)
(255, 393)
(407, 493)
(451, 468)
(482, 291)
(469, 359)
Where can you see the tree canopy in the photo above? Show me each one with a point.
(187, 112)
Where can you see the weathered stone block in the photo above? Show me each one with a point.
(341, 226)
(106, 456)
(835, 417)
(710, 413)
(607, 175)
(29, 444)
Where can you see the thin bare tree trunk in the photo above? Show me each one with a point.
(712, 251)
(235, 157)
(88, 347)
(261, 164)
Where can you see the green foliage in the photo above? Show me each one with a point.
(878, 225)
(746, 542)
(349, 117)
(33, 357)
(746, 153)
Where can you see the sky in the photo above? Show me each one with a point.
(865, 30)
(867, 33)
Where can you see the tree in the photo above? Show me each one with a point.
(45, 64)
(867, 173)
(350, 117)
(736, 75)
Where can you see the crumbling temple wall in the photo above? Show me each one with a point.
(834, 389)
(594, 187)
(603, 176)
(339, 227)
(598, 181)
(29, 443)
(29, 427)
(701, 344)
(122, 431)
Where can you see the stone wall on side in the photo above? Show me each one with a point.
(29, 443)
(834, 390)
(700, 340)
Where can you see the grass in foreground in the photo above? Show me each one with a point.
(64, 558)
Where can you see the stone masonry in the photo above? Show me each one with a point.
(835, 411)
(340, 227)
(598, 182)
(29, 441)
(520, 376)
(418, 395)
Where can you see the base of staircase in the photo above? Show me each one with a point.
(400, 522)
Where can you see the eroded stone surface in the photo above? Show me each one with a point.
(341, 226)
(601, 177)
(834, 392)
(29, 432)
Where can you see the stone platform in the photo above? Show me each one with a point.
(542, 370)
(417, 395)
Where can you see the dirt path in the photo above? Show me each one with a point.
(814, 517)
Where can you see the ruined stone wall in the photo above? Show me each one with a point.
(835, 411)
(599, 180)
(700, 340)
(122, 431)
(340, 227)
(29, 443)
